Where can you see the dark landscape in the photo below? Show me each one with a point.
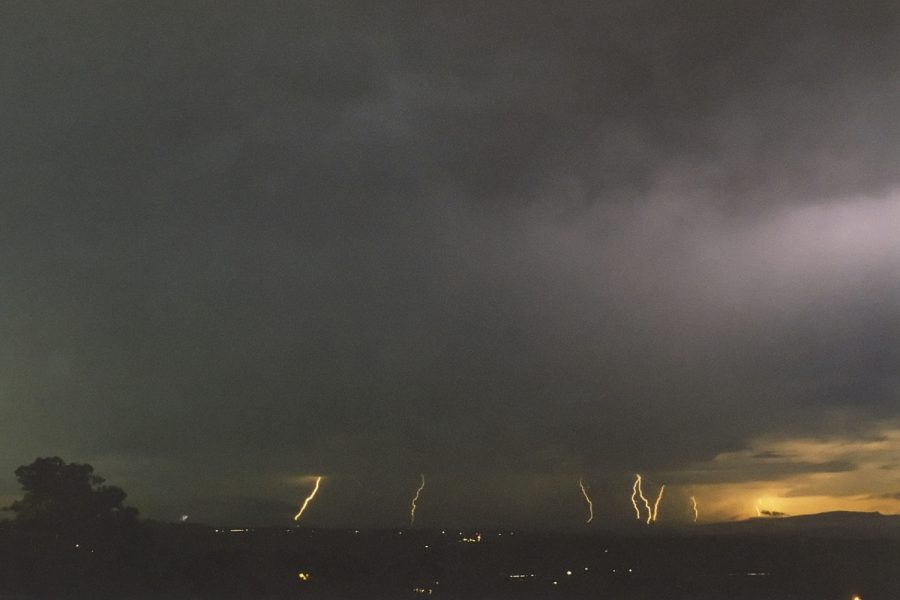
(73, 536)
(190, 561)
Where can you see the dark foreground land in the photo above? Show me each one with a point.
(188, 562)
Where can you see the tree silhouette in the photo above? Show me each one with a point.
(69, 496)
(71, 532)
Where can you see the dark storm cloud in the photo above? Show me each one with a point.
(762, 471)
(769, 454)
(514, 238)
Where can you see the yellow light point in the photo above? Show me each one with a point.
(308, 498)
(694, 508)
(412, 509)
(658, 499)
(588, 500)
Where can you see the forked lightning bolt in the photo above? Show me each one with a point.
(634, 494)
(658, 499)
(412, 509)
(694, 508)
(588, 500)
(637, 492)
(644, 499)
(308, 498)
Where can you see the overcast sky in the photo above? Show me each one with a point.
(504, 244)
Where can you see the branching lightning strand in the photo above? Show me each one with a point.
(588, 500)
(412, 510)
(658, 500)
(634, 494)
(643, 498)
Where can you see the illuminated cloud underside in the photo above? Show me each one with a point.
(864, 478)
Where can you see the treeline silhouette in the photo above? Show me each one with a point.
(72, 536)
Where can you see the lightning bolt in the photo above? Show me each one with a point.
(694, 508)
(412, 509)
(634, 493)
(588, 500)
(658, 499)
(644, 499)
(308, 498)
(638, 492)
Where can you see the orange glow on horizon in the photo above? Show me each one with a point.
(801, 476)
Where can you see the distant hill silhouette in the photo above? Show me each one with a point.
(840, 524)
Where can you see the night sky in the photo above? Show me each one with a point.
(506, 245)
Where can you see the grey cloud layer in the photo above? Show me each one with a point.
(336, 238)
